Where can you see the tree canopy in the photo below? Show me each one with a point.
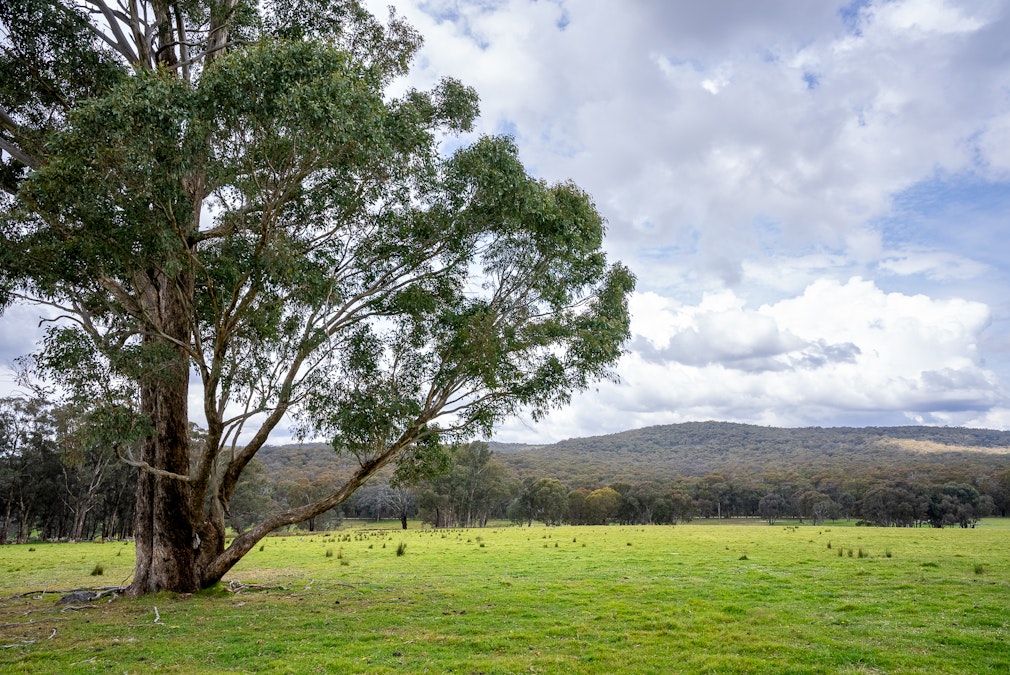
(224, 193)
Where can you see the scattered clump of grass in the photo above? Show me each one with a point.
(401, 549)
(979, 568)
(573, 540)
(555, 544)
(861, 553)
(262, 546)
(98, 571)
(31, 549)
(345, 563)
(629, 543)
(329, 553)
(743, 557)
(929, 564)
(829, 545)
(887, 553)
(841, 552)
(370, 545)
(850, 552)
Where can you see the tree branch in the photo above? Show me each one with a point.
(144, 466)
(18, 154)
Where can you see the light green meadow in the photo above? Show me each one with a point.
(697, 598)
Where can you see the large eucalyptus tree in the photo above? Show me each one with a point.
(222, 193)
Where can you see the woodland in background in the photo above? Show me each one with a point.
(55, 485)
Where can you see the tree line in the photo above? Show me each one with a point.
(60, 481)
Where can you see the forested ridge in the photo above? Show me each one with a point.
(697, 448)
(882, 475)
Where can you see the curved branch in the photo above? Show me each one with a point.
(147, 468)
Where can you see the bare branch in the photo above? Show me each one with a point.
(18, 154)
(120, 43)
(144, 466)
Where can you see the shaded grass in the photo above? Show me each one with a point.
(694, 599)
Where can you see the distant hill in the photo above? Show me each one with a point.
(698, 448)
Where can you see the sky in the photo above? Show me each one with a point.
(814, 197)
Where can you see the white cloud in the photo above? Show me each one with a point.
(838, 353)
(936, 265)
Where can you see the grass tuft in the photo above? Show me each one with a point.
(401, 549)
(98, 571)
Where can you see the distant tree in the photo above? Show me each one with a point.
(772, 506)
(578, 514)
(957, 504)
(403, 499)
(602, 505)
(682, 506)
(892, 505)
(548, 500)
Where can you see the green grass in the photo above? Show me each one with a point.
(694, 599)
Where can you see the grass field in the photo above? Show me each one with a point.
(696, 598)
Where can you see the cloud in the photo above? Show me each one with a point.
(837, 353)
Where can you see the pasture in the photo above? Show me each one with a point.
(696, 598)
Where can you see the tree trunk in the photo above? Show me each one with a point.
(165, 531)
(7, 516)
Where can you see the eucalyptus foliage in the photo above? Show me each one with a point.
(224, 192)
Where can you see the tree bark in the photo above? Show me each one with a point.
(164, 527)
(7, 516)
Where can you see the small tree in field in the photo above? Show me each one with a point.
(771, 507)
(222, 191)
